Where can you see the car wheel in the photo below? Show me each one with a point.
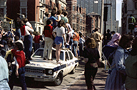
(59, 79)
(73, 71)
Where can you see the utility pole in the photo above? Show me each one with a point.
(111, 16)
(102, 16)
(101, 29)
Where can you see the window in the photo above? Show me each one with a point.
(23, 11)
(70, 55)
(39, 54)
(66, 56)
(80, 28)
(136, 5)
(73, 25)
(80, 20)
(73, 8)
(1, 12)
(41, 14)
(73, 16)
(39, 29)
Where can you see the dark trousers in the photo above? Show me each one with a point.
(36, 46)
(21, 78)
(28, 46)
(89, 77)
(81, 49)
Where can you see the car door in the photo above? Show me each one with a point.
(71, 62)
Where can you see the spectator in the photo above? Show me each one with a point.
(64, 16)
(135, 30)
(17, 26)
(36, 40)
(25, 32)
(75, 43)
(60, 35)
(115, 40)
(48, 40)
(27, 23)
(116, 79)
(4, 74)
(97, 36)
(112, 33)
(131, 68)
(58, 16)
(46, 18)
(19, 70)
(53, 18)
(81, 44)
(131, 23)
(107, 37)
(91, 58)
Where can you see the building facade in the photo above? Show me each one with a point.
(111, 15)
(92, 22)
(32, 9)
(77, 16)
(128, 7)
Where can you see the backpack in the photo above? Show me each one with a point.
(109, 52)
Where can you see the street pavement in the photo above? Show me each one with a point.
(99, 81)
(72, 82)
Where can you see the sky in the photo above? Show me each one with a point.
(118, 11)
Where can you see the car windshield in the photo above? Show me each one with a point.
(39, 54)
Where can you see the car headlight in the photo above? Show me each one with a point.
(50, 72)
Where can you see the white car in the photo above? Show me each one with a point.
(49, 70)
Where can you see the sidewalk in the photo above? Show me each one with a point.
(99, 81)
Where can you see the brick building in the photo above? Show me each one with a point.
(77, 16)
(92, 22)
(32, 9)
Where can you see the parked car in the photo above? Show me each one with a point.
(50, 70)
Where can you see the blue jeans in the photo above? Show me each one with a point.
(18, 33)
(28, 46)
(75, 45)
(21, 72)
(71, 43)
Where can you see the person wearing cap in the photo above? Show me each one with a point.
(19, 70)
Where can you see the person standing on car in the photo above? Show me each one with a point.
(48, 40)
(91, 58)
(60, 38)
(19, 70)
(26, 33)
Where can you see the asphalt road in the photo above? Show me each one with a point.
(68, 80)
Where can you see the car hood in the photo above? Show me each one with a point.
(43, 63)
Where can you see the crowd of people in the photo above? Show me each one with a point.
(19, 44)
(59, 34)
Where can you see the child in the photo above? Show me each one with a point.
(36, 40)
(19, 70)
